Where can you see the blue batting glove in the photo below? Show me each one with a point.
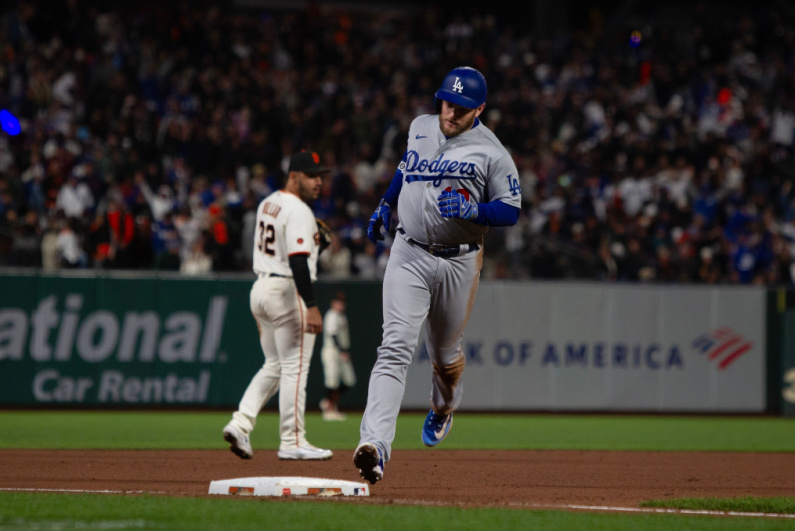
(454, 204)
(381, 216)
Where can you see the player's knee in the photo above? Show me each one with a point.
(395, 353)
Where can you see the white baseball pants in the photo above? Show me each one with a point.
(279, 312)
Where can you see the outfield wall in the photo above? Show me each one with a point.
(604, 347)
(164, 341)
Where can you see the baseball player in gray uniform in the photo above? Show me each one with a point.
(455, 181)
(286, 247)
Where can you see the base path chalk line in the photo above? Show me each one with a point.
(603, 508)
(657, 510)
(84, 491)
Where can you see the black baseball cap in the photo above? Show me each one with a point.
(307, 162)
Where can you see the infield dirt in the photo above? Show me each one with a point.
(463, 478)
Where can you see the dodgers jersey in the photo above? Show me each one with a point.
(475, 161)
(285, 226)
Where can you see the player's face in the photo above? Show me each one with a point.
(454, 119)
(309, 185)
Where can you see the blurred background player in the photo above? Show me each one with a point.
(337, 366)
(286, 247)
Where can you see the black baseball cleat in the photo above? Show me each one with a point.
(368, 459)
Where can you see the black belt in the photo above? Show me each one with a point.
(277, 275)
(442, 251)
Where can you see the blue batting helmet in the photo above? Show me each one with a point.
(463, 86)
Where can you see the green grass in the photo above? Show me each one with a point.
(634, 432)
(747, 504)
(26, 511)
(201, 430)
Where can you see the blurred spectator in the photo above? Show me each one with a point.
(69, 246)
(198, 261)
(166, 244)
(50, 258)
(365, 263)
(27, 241)
(121, 225)
(75, 197)
(336, 261)
(99, 242)
(189, 229)
(662, 160)
(159, 203)
(220, 244)
(33, 184)
(142, 248)
(248, 227)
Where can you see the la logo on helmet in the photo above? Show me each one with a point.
(457, 86)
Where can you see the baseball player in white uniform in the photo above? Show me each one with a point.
(455, 180)
(286, 248)
(338, 371)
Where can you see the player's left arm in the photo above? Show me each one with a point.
(313, 321)
(458, 204)
(299, 235)
(496, 214)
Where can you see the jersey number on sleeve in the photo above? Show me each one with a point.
(266, 239)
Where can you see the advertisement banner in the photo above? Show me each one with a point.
(86, 341)
(588, 347)
(152, 341)
(98, 341)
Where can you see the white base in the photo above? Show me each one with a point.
(288, 486)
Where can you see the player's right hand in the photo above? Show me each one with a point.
(457, 204)
(314, 321)
(381, 217)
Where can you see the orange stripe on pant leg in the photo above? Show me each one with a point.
(300, 368)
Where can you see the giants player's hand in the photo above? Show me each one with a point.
(381, 216)
(455, 204)
(314, 321)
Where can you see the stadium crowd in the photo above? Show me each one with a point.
(651, 148)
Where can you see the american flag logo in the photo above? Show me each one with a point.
(723, 345)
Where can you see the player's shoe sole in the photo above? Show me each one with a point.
(436, 428)
(305, 453)
(367, 458)
(238, 443)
